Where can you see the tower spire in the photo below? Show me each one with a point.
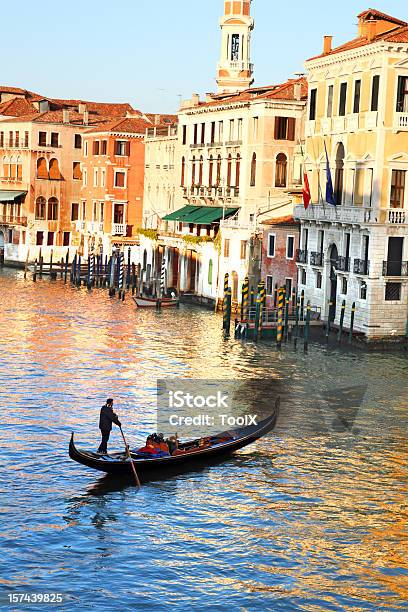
(235, 71)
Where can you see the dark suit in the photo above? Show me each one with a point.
(106, 418)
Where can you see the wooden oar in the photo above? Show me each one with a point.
(130, 457)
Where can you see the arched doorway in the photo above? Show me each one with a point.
(333, 258)
(1, 248)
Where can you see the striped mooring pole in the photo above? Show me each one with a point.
(279, 329)
(287, 302)
(227, 311)
(296, 334)
(163, 276)
(121, 281)
(262, 296)
(244, 299)
(128, 270)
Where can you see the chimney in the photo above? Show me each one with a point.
(195, 99)
(65, 115)
(371, 29)
(86, 117)
(327, 44)
(297, 91)
(81, 108)
(157, 120)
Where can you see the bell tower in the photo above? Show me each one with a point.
(235, 71)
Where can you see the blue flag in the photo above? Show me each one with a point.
(330, 199)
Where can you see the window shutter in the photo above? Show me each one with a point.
(291, 128)
(400, 94)
(127, 148)
(276, 136)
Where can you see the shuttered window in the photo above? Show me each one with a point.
(375, 87)
(312, 108)
(357, 93)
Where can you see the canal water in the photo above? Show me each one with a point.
(313, 517)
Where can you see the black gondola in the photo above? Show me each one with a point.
(222, 445)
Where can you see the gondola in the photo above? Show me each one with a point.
(221, 446)
(144, 302)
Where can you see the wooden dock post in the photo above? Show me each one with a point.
(128, 268)
(275, 296)
(66, 267)
(340, 332)
(26, 264)
(258, 317)
(40, 258)
(227, 311)
(112, 276)
(51, 256)
(35, 272)
(133, 278)
(78, 272)
(328, 326)
(302, 305)
(279, 329)
(353, 313)
(307, 326)
(296, 334)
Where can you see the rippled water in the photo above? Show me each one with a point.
(312, 517)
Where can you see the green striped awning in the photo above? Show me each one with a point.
(200, 215)
(10, 196)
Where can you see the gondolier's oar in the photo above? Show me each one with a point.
(130, 457)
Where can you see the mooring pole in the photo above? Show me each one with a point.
(340, 332)
(328, 321)
(353, 312)
(302, 305)
(287, 300)
(66, 266)
(296, 335)
(227, 312)
(258, 317)
(279, 329)
(78, 278)
(307, 325)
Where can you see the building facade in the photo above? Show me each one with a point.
(358, 110)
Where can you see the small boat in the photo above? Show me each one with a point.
(165, 302)
(191, 457)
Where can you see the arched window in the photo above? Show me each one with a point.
(338, 182)
(218, 170)
(253, 170)
(210, 272)
(52, 209)
(42, 169)
(183, 171)
(55, 173)
(6, 167)
(40, 207)
(200, 171)
(210, 171)
(229, 170)
(19, 168)
(13, 167)
(281, 168)
(237, 170)
(193, 170)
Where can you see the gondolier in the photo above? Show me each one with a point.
(106, 418)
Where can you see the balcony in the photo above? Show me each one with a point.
(343, 264)
(118, 229)
(214, 144)
(361, 266)
(79, 226)
(233, 143)
(12, 144)
(395, 268)
(310, 128)
(333, 214)
(397, 216)
(353, 122)
(371, 120)
(301, 256)
(316, 259)
(401, 122)
(12, 220)
(326, 125)
(339, 125)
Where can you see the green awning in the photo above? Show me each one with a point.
(200, 215)
(10, 196)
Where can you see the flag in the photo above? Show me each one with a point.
(307, 197)
(330, 199)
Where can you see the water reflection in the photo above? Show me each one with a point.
(313, 517)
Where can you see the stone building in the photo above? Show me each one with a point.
(358, 108)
